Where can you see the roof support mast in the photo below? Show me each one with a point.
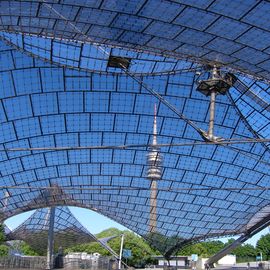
(50, 247)
(212, 114)
(216, 84)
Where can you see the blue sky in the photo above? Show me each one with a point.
(96, 222)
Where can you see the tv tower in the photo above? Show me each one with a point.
(154, 170)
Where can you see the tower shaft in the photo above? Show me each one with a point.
(154, 171)
(153, 206)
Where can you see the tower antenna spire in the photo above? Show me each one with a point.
(155, 126)
(154, 162)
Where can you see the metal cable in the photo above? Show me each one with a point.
(132, 188)
(127, 146)
(125, 70)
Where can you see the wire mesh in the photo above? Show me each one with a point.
(68, 231)
(234, 34)
(57, 91)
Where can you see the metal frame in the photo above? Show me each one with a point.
(70, 101)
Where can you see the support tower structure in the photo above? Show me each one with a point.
(154, 172)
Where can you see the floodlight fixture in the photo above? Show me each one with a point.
(216, 84)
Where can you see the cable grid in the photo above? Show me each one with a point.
(72, 123)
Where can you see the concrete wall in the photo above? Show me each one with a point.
(200, 263)
(227, 260)
(178, 262)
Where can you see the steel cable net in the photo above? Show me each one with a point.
(230, 33)
(64, 125)
(67, 230)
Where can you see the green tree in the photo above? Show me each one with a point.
(3, 250)
(160, 242)
(109, 232)
(198, 248)
(27, 249)
(203, 249)
(245, 250)
(89, 248)
(2, 234)
(263, 245)
(141, 251)
(229, 241)
(213, 247)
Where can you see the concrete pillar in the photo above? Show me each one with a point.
(50, 246)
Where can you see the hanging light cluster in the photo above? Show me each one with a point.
(216, 84)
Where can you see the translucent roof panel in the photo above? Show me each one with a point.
(67, 230)
(232, 34)
(91, 57)
(76, 129)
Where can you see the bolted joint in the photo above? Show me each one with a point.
(210, 138)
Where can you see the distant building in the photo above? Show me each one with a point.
(83, 256)
(176, 261)
(82, 260)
